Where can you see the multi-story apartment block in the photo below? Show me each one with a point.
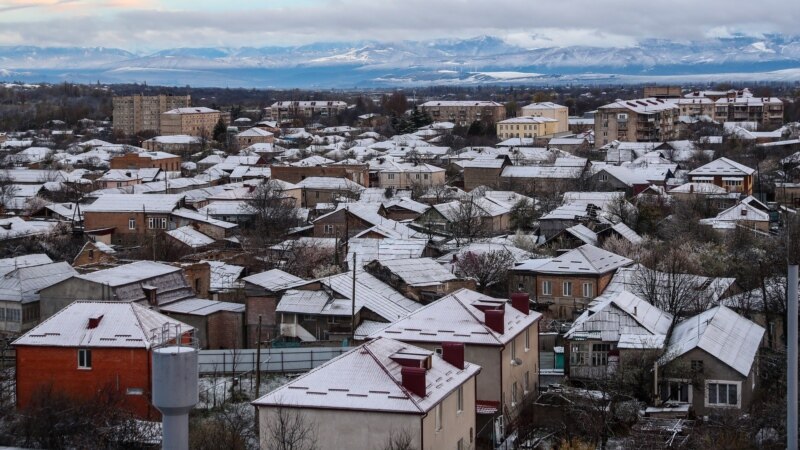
(197, 121)
(528, 127)
(305, 109)
(662, 92)
(136, 113)
(550, 110)
(464, 112)
(742, 106)
(642, 120)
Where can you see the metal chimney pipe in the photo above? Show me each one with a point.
(791, 358)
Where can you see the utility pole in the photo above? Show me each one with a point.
(791, 358)
(353, 304)
(258, 357)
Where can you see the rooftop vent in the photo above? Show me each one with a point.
(521, 302)
(413, 379)
(495, 320)
(453, 353)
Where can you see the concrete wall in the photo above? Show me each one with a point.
(713, 369)
(54, 298)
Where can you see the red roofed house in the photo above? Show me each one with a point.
(90, 346)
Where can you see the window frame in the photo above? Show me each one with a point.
(717, 404)
(132, 223)
(588, 290)
(566, 286)
(547, 287)
(85, 359)
(460, 400)
(438, 425)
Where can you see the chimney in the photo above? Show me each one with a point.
(94, 321)
(521, 302)
(414, 380)
(453, 353)
(495, 319)
(691, 188)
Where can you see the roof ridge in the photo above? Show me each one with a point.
(482, 322)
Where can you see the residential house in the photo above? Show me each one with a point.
(262, 293)
(179, 144)
(254, 136)
(405, 175)
(95, 252)
(421, 279)
(726, 173)
(147, 160)
(145, 282)
(541, 179)
(499, 335)
(567, 283)
(21, 278)
(748, 213)
(584, 207)
(284, 110)
(467, 218)
(357, 173)
(484, 171)
(614, 325)
(327, 190)
(379, 389)
(217, 325)
(720, 347)
(129, 217)
(91, 346)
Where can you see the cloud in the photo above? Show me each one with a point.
(147, 25)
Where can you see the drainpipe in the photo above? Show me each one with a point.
(791, 373)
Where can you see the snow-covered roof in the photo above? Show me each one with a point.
(583, 233)
(367, 379)
(557, 172)
(332, 183)
(586, 259)
(613, 315)
(722, 167)
(129, 273)
(35, 259)
(274, 280)
(721, 333)
(419, 271)
(192, 110)
(527, 120)
(460, 103)
(202, 307)
(255, 132)
(148, 203)
(119, 324)
(23, 283)
(307, 302)
(642, 106)
(191, 237)
(15, 227)
(372, 294)
(367, 250)
(175, 139)
(699, 188)
(542, 105)
(459, 317)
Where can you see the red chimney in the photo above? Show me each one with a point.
(521, 302)
(453, 353)
(495, 319)
(94, 321)
(414, 380)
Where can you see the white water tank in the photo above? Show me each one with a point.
(175, 392)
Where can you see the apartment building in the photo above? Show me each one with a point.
(742, 106)
(662, 92)
(362, 398)
(303, 109)
(464, 112)
(642, 120)
(549, 110)
(135, 113)
(147, 160)
(196, 121)
(527, 127)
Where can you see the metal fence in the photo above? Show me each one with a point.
(276, 360)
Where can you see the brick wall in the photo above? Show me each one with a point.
(119, 369)
(226, 330)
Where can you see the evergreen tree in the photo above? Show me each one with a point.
(220, 129)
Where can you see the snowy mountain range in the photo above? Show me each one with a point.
(479, 60)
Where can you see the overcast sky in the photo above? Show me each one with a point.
(146, 25)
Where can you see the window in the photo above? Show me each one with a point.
(676, 391)
(157, 223)
(425, 176)
(514, 394)
(547, 288)
(513, 349)
(579, 354)
(603, 177)
(527, 339)
(722, 393)
(600, 354)
(84, 358)
(697, 366)
(390, 176)
(316, 194)
(13, 315)
(438, 417)
(328, 229)
(520, 286)
(438, 351)
(460, 399)
(134, 391)
(587, 290)
(566, 289)
(131, 224)
(416, 176)
(331, 319)
(527, 379)
(460, 444)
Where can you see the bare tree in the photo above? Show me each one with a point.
(231, 427)
(667, 283)
(466, 221)
(487, 268)
(7, 188)
(288, 429)
(275, 213)
(399, 440)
